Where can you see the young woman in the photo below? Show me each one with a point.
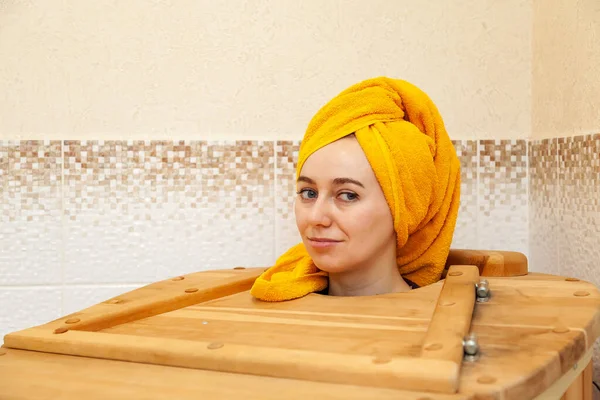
(378, 186)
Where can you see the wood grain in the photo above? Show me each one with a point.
(451, 319)
(160, 297)
(490, 262)
(532, 332)
(384, 371)
(26, 375)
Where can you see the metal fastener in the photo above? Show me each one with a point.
(482, 290)
(471, 347)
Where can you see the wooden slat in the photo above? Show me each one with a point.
(451, 320)
(490, 262)
(32, 375)
(415, 304)
(587, 381)
(542, 303)
(158, 298)
(575, 391)
(558, 387)
(385, 371)
(568, 345)
(290, 331)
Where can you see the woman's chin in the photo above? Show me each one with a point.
(331, 266)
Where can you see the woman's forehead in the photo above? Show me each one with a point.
(342, 158)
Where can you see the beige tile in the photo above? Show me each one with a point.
(579, 217)
(543, 206)
(30, 212)
(503, 210)
(286, 232)
(141, 210)
(465, 233)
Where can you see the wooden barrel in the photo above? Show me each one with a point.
(203, 336)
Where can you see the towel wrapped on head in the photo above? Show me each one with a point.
(404, 139)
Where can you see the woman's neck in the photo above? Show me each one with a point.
(368, 281)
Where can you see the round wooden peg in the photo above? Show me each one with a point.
(581, 293)
(214, 345)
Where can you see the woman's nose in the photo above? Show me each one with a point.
(320, 213)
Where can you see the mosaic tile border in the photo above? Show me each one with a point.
(502, 219)
(500, 178)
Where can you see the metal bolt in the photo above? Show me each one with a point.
(471, 347)
(482, 291)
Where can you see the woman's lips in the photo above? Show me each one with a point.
(323, 243)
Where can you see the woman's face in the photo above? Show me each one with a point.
(341, 212)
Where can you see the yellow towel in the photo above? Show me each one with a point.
(404, 139)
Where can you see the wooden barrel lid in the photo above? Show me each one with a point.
(531, 332)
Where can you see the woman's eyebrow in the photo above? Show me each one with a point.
(342, 181)
(306, 179)
(336, 181)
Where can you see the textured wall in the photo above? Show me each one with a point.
(253, 69)
(81, 220)
(566, 68)
(564, 209)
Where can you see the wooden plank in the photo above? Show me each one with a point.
(509, 374)
(575, 390)
(158, 298)
(518, 375)
(415, 304)
(283, 331)
(451, 320)
(541, 303)
(568, 344)
(558, 388)
(32, 376)
(403, 373)
(587, 381)
(490, 262)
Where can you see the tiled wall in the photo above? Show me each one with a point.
(85, 220)
(564, 206)
(81, 221)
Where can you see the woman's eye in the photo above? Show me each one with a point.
(308, 194)
(348, 196)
